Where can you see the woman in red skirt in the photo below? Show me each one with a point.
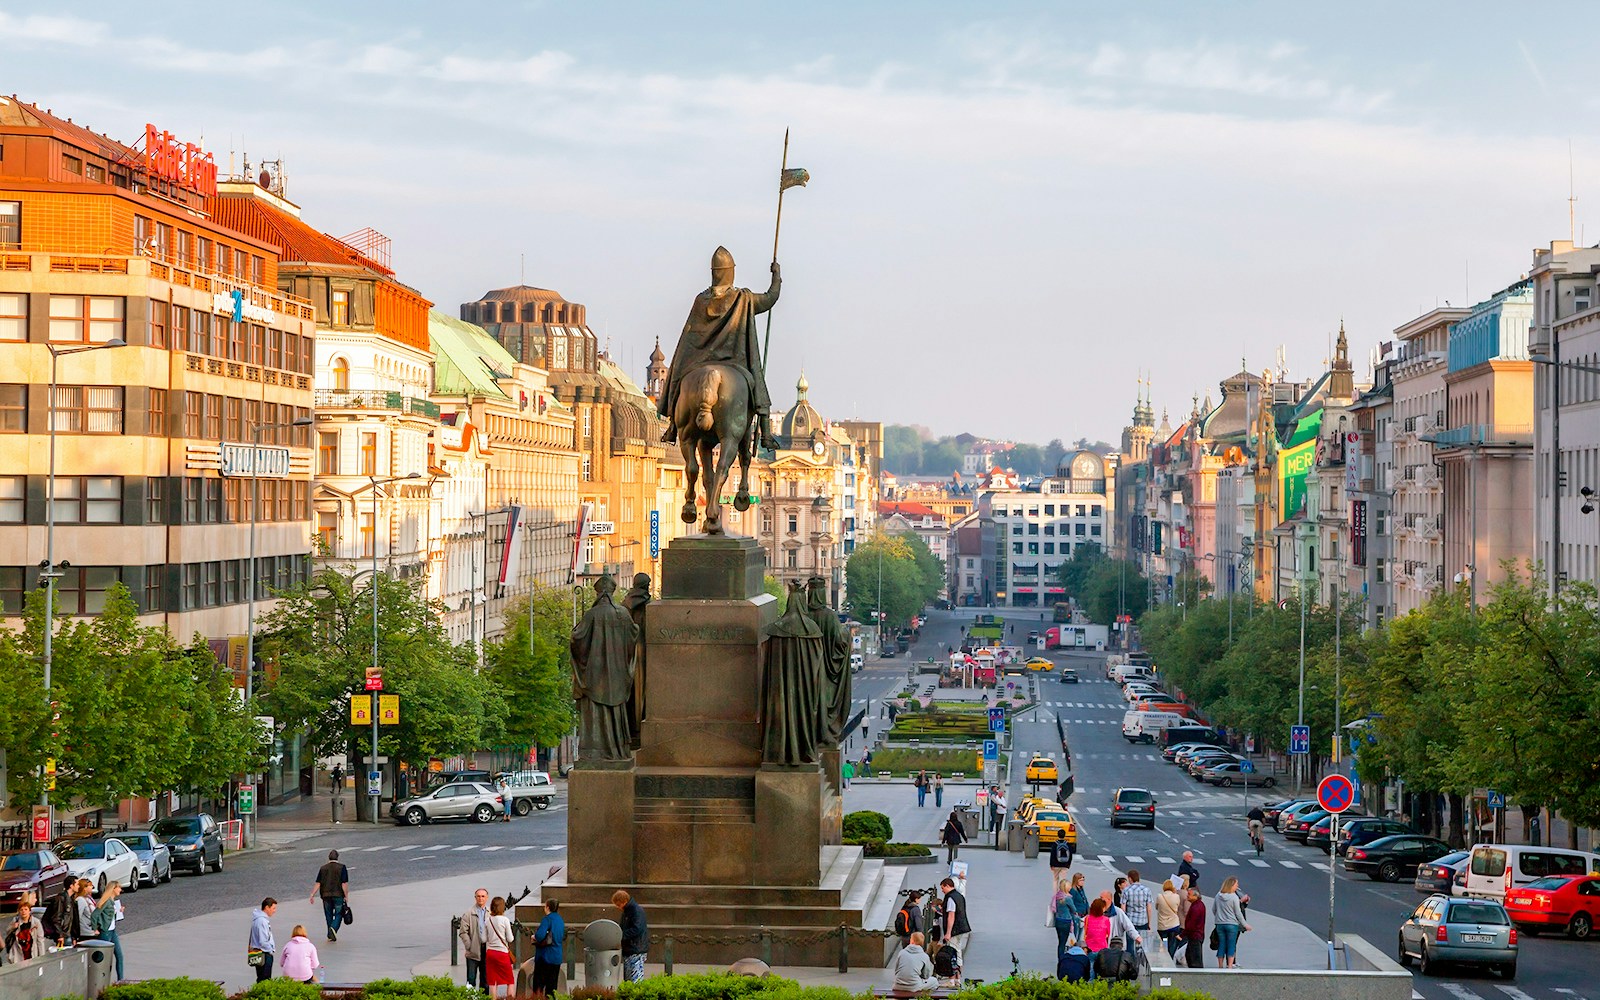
(501, 975)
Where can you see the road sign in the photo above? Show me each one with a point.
(41, 824)
(388, 710)
(1299, 739)
(374, 679)
(655, 534)
(1496, 800)
(374, 782)
(1336, 793)
(997, 720)
(247, 800)
(991, 749)
(991, 772)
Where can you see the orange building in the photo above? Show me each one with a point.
(99, 242)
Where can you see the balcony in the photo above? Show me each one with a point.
(376, 399)
(1485, 435)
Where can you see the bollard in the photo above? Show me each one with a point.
(844, 948)
(338, 808)
(766, 946)
(570, 949)
(666, 956)
(455, 942)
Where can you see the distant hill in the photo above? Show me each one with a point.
(910, 450)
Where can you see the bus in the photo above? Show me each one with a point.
(1063, 613)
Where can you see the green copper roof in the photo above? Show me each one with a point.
(465, 358)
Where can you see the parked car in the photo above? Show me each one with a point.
(1322, 833)
(1439, 875)
(1496, 869)
(195, 842)
(469, 800)
(529, 790)
(1358, 830)
(1390, 859)
(1041, 769)
(1133, 805)
(1468, 931)
(1199, 762)
(1233, 773)
(857, 663)
(1557, 902)
(37, 870)
(1273, 809)
(1300, 826)
(1031, 804)
(155, 857)
(1290, 813)
(101, 860)
(443, 778)
(1170, 754)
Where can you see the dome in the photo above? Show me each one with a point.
(802, 420)
(521, 293)
(1081, 465)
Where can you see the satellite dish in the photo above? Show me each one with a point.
(265, 180)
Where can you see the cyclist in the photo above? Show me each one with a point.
(1255, 818)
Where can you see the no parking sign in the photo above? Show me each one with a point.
(1336, 793)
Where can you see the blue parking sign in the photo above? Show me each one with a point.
(997, 720)
(991, 749)
(1299, 739)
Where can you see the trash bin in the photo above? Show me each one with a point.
(602, 954)
(102, 965)
(1014, 835)
(1030, 841)
(969, 819)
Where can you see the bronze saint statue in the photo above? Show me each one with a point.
(635, 601)
(791, 687)
(836, 662)
(716, 382)
(602, 677)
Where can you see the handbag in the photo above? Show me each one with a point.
(1215, 941)
(345, 916)
(255, 957)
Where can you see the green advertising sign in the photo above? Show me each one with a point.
(1296, 458)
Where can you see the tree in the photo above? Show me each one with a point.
(320, 635)
(531, 669)
(942, 458)
(902, 449)
(774, 586)
(906, 585)
(1028, 460)
(1102, 586)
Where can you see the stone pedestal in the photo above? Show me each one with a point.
(593, 845)
(714, 567)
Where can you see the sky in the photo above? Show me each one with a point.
(1016, 211)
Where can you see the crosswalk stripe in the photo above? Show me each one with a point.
(1288, 864)
(1228, 861)
(1136, 859)
(1513, 992)
(1459, 992)
(494, 847)
(524, 847)
(437, 847)
(1319, 866)
(380, 847)
(408, 847)
(556, 847)
(467, 847)
(1259, 863)
(1165, 861)
(1106, 859)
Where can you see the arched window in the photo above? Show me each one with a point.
(341, 374)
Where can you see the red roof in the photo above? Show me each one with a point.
(908, 508)
(296, 240)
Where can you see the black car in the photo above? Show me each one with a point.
(1321, 833)
(195, 842)
(1133, 805)
(1300, 826)
(1439, 874)
(1067, 675)
(1389, 859)
(1358, 830)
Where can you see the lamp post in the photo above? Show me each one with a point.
(373, 484)
(51, 571)
(1555, 363)
(250, 576)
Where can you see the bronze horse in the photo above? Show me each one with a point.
(713, 420)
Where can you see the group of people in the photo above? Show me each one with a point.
(74, 917)
(299, 959)
(915, 969)
(1124, 916)
(925, 784)
(488, 939)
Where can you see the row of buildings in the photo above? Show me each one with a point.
(1474, 444)
(240, 398)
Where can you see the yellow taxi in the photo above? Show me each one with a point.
(1041, 769)
(1055, 823)
(1040, 663)
(1031, 804)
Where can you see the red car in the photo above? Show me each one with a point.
(1557, 902)
(37, 871)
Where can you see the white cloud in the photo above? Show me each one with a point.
(59, 30)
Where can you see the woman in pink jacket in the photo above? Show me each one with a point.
(299, 957)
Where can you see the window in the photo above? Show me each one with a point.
(89, 409)
(185, 248)
(155, 495)
(193, 414)
(10, 224)
(258, 340)
(366, 535)
(328, 453)
(213, 500)
(13, 409)
(13, 496)
(230, 581)
(794, 488)
(1016, 529)
(258, 269)
(88, 500)
(1049, 529)
(341, 375)
(1080, 510)
(766, 522)
(302, 500)
(233, 419)
(72, 164)
(1098, 510)
(588, 424)
(163, 240)
(791, 559)
(282, 500)
(191, 501)
(1033, 529)
(203, 261)
(1016, 548)
(77, 319)
(327, 529)
(794, 523)
(274, 348)
(1033, 548)
(12, 589)
(341, 309)
(159, 320)
(83, 588)
(191, 585)
(241, 264)
(1094, 529)
(213, 421)
(231, 491)
(587, 469)
(158, 413)
(1049, 548)
(1078, 529)
(369, 453)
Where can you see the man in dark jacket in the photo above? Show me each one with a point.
(333, 883)
(635, 935)
(954, 917)
(952, 836)
(1194, 931)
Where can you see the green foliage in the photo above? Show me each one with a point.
(182, 988)
(902, 569)
(420, 988)
(866, 823)
(283, 989)
(943, 726)
(1102, 586)
(910, 450)
(721, 986)
(905, 762)
(876, 847)
(773, 586)
(1033, 986)
(531, 668)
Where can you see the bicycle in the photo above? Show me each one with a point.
(1256, 840)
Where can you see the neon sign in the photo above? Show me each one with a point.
(184, 164)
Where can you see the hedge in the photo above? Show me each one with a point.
(721, 986)
(420, 988)
(876, 847)
(908, 762)
(1032, 986)
(284, 989)
(866, 823)
(182, 988)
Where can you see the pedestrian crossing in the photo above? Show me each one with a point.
(1175, 813)
(1085, 704)
(433, 849)
(1121, 862)
(1423, 990)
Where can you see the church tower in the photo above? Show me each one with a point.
(1342, 379)
(1136, 436)
(655, 377)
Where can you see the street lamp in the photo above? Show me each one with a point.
(51, 571)
(250, 576)
(1555, 453)
(373, 483)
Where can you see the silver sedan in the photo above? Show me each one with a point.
(155, 857)
(469, 800)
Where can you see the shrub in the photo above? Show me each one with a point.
(721, 986)
(596, 992)
(182, 988)
(1032, 986)
(908, 762)
(284, 989)
(866, 823)
(876, 847)
(420, 988)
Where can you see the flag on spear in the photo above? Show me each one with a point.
(788, 177)
(793, 177)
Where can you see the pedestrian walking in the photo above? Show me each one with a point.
(1060, 858)
(338, 778)
(635, 935)
(1139, 904)
(938, 790)
(1227, 916)
(548, 941)
(953, 919)
(472, 928)
(83, 909)
(103, 921)
(333, 884)
(262, 947)
(1187, 868)
(506, 799)
(497, 950)
(952, 836)
(1168, 925)
(847, 771)
(908, 919)
(299, 959)
(1194, 931)
(24, 933)
(921, 785)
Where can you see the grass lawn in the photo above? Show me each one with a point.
(901, 763)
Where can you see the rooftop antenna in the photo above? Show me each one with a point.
(522, 269)
(1572, 197)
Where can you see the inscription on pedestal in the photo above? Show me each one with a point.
(722, 635)
(694, 786)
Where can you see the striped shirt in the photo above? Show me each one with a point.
(1136, 901)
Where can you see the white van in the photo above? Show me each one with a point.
(1494, 868)
(1146, 727)
(1131, 672)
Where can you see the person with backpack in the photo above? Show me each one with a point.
(920, 783)
(953, 917)
(952, 836)
(908, 920)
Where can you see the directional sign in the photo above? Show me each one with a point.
(1496, 800)
(1336, 793)
(997, 720)
(991, 749)
(1299, 739)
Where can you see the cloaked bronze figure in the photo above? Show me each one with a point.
(836, 663)
(602, 677)
(791, 687)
